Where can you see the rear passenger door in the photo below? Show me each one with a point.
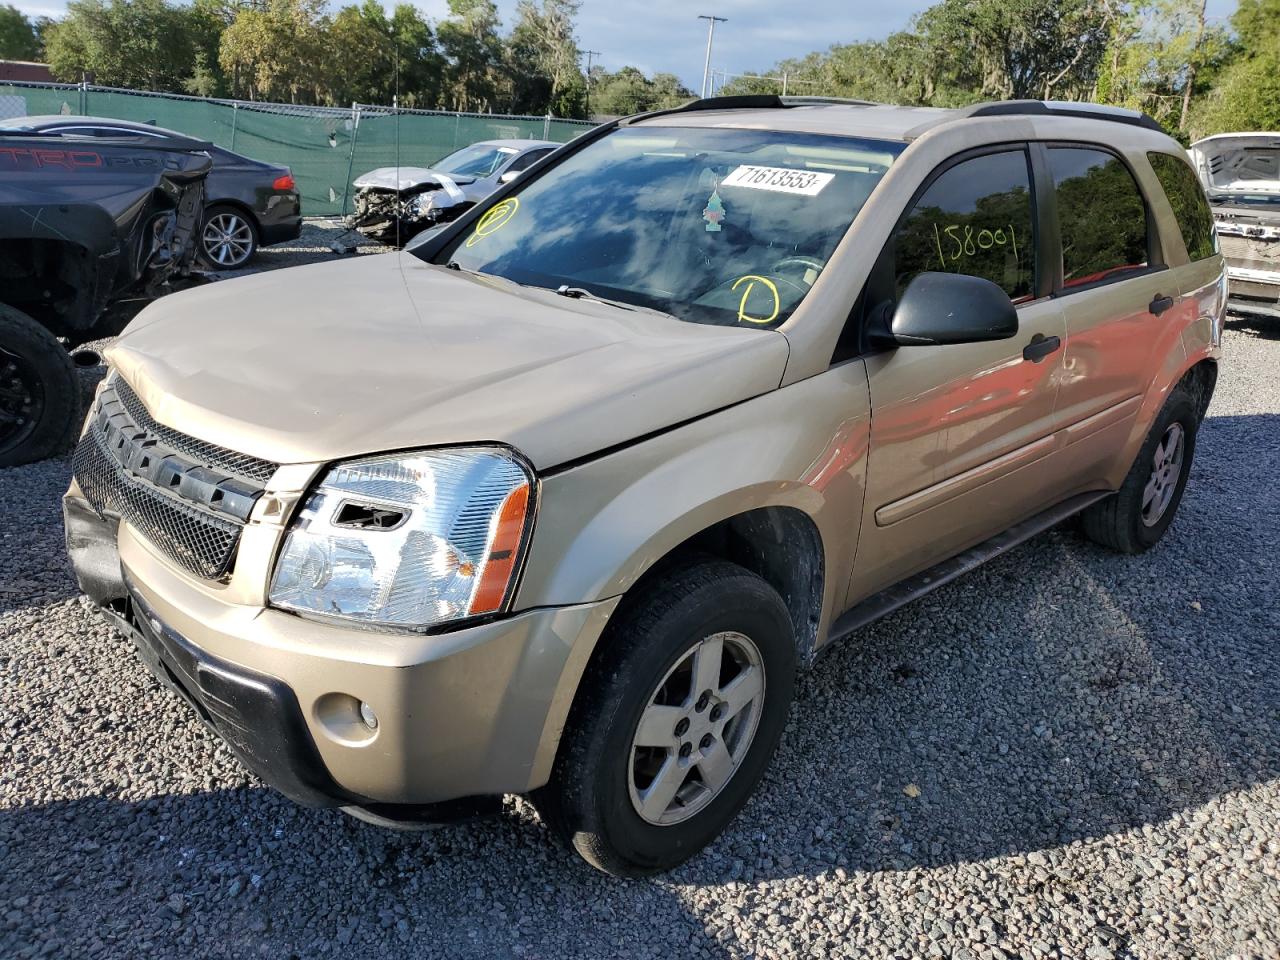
(1116, 294)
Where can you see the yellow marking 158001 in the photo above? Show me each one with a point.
(494, 219)
(751, 280)
(968, 242)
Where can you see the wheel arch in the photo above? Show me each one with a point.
(240, 207)
(1200, 380)
(781, 544)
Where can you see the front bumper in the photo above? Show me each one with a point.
(475, 712)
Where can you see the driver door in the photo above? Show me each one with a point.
(961, 434)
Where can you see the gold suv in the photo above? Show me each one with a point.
(556, 502)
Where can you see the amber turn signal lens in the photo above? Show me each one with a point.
(508, 527)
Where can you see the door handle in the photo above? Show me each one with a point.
(1160, 304)
(1040, 347)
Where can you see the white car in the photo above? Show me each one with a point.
(395, 203)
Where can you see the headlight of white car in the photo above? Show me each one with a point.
(409, 540)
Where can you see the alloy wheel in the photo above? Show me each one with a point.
(1166, 468)
(697, 728)
(228, 239)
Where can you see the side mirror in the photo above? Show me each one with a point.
(508, 176)
(952, 308)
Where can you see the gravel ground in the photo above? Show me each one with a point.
(1066, 754)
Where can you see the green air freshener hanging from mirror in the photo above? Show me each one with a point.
(714, 212)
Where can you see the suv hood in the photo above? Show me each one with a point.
(386, 352)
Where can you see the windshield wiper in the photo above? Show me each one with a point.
(579, 293)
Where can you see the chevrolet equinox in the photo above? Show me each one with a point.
(557, 502)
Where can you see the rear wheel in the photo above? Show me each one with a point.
(676, 721)
(39, 391)
(1135, 517)
(229, 238)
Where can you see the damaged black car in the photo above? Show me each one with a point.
(90, 232)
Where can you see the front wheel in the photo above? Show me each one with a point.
(39, 391)
(676, 721)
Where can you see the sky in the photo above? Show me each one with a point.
(666, 36)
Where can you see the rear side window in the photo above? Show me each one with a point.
(1190, 208)
(1101, 215)
(975, 218)
(527, 161)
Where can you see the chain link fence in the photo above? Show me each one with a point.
(325, 147)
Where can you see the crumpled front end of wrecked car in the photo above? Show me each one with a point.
(397, 204)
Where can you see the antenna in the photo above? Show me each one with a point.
(395, 117)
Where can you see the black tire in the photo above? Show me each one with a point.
(1118, 522)
(588, 802)
(246, 231)
(39, 391)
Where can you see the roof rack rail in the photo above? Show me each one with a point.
(752, 101)
(1059, 108)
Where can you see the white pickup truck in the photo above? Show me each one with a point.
(1241, 175)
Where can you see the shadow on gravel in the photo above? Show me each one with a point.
(1058, 693)
(1261, 327)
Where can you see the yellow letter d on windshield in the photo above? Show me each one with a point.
(751, 280)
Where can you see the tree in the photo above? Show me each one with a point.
(143, 44)
(1256, 23)
(422, 68)
(18, 39)
(1158, 58)
(630, 91)
(1246, 91)
(277, 51)
(207, 20)
(473, 50)
(360, 55)
(542, 60)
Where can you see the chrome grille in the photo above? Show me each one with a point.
(192, 507)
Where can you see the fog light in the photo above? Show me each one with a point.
(368, 716)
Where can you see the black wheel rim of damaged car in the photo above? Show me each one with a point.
(697, 728)
(21, 399)
(228, 239)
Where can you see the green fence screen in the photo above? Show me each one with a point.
(325, 147)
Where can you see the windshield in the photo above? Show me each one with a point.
(715, 226)
(477, 160)
(1246, 199)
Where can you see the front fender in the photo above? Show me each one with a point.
(603, 523)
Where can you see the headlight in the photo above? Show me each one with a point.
(409, 540)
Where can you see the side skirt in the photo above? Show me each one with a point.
(914, 587)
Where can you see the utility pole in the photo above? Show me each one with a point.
(590, 54)
(711, 32)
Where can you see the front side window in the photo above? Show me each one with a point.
(975, 218)
(1190, 208)
(718, 226)
(477, 160)
(1101, 215)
